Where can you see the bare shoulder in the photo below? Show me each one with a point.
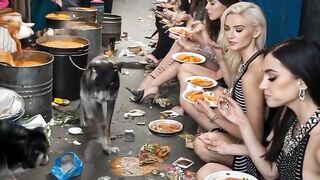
(254, 72)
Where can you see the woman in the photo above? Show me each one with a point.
(168, 68)
(291, 80)
(242, 36)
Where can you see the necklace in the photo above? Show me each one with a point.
(291, 141)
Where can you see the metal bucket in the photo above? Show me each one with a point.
(111, 28)
(68, 65)
(85, 14)
(58, 20)
(89, 31)
(33, 83)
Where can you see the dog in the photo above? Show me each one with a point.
(99, 88)
(21, 149)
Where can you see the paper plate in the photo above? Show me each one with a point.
(208, 93)
(179, 30)
(179, 55)
(75, 130)
(213, 82)
(222, 175)
(165, 127)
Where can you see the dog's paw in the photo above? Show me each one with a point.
(111, 149)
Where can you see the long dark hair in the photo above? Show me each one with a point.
(214, 26)
(302, 58)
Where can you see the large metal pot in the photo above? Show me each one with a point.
(68, 65)
(33, 83)
(85, 14)
(111, 28)
(58, 20)
(89, 31)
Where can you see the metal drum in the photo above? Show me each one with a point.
(68, 66)
(33, 83)
(111, 28)
(89, 31)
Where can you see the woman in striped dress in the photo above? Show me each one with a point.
(242, 36)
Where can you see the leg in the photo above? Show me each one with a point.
(164, 64)
(105, 140)
(210, 156)
(209, 168)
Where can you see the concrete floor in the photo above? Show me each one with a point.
(138, 22)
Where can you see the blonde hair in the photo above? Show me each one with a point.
(232, 58)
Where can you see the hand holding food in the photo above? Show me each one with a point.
(231, 110)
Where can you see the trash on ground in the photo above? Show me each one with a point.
(75, 130)
(104, 178)
(129, 135)
(60, 101)
(141, 123)
(163, 102)
(168, 114)
(134, 113)
(76, 143)
(67, 166)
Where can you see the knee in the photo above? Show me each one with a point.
(183, 68)
(200, 150)
(203, 172)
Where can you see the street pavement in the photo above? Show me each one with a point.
(138, 21)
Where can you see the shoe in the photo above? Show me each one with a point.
(153, 34)
(134, 92)
(148, 95)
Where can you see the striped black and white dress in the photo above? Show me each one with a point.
(243, 163)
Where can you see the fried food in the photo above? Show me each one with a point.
(201, 82)
(180, 31)
(59, 16)
(205, 96)
(188, 58)
(163, 151)
(164, 127)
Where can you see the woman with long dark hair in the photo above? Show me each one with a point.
(291, 79)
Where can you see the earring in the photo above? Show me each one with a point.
(302, 93)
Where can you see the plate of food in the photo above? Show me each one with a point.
(189, 57)
(179, 31)
(202, 81)
(192, 96)
(165, 127)
(230, 175)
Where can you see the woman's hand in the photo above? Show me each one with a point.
(231, 110)
(185, 43)
(199, 33)
(216, 143)
(204, 108)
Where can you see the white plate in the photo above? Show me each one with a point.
(166, 121)
(214, 82)
(176, 30)
(75, 130)
(221, 175)
(211, 104)
(176, 55)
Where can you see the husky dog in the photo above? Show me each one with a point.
(98, 93)
(21, 149)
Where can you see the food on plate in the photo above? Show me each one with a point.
(163, 151)
(165, 127)
(201, 82)
(205, 96)
(188, 58)
(147, 158)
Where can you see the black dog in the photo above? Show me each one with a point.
(98, 92)
(21, 149)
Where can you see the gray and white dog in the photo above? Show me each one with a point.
(98, 93)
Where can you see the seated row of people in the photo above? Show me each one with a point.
(232, 136)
